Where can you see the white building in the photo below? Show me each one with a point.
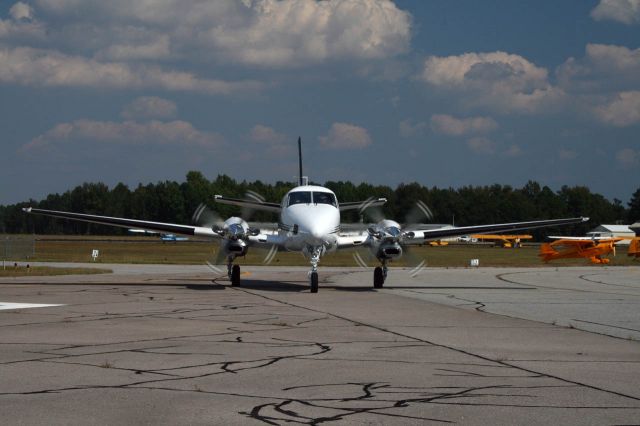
(612, 231)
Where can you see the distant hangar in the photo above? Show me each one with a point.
(610, 231)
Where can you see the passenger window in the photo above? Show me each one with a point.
(299, 198)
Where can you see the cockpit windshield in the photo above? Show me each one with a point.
(305, 197)
(300, 197)
(324, 198)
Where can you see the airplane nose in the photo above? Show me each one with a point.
(317, 232)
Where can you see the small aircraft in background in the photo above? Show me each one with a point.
(507, 241)
(163, 237)
(593, 249)
(634, 248)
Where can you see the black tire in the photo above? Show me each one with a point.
(378, 278)
(313, 281)
(235, 276)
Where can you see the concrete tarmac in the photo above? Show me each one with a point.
(156, 344)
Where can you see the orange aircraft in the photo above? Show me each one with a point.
(634, 248)
(507, 241)
(576, 247)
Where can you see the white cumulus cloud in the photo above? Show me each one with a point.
(22, 24)
(502, 81)
(603, 68)
(126, 133)
(345, 136)
(38, 67)
(624, 11)
(294, 32)
(452, 126)
(271, 33)
(622, 110)
(21, 10)
(149, 107)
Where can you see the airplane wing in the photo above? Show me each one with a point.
(598, 239)
(434, 234)
(362, 205)
(574, 242)
(501, 237)
(171, 228)
(253, 204)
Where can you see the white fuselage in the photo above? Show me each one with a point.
(310, 218)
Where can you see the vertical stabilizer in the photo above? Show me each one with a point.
(300, 161)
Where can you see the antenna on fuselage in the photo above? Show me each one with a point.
(300, 160)
(302, 180)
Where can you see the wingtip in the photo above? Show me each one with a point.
(26, 209)
(585, 219)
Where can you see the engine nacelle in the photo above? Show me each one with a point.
(236, 247)
(388, 251)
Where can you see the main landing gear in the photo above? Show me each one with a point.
(233, 271)
(380, 275)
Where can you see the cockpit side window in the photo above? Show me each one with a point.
(301, 197)
(324, 198)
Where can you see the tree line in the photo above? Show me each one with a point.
(174, 202)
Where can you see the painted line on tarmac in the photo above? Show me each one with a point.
(8, 305)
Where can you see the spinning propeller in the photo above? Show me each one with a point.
(388, 240)
(235, 233)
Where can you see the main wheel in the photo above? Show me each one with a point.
(235, 276)
(313, 281)
(378, 278)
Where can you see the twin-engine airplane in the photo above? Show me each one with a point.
(309, 223)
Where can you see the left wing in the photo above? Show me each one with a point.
(253, 204)
(434, 234)
(167, 228)
(362, 205)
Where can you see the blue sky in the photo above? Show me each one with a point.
(445, 93)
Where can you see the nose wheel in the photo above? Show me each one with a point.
(235, 276)
(378, 277)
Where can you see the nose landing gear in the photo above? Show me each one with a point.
(315, 253)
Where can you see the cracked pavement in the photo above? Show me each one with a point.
(166, 345)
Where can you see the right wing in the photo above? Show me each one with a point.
(167, 228)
